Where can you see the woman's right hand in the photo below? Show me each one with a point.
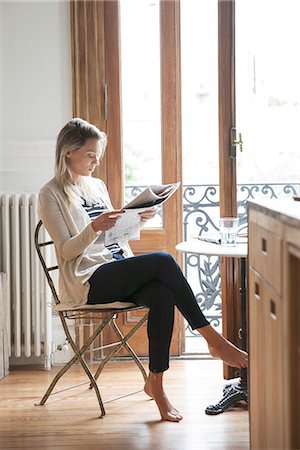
(106, 220)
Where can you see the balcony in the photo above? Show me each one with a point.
(201, 212)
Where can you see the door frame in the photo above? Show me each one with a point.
(95, 39)
(230, 276)
(96, 97)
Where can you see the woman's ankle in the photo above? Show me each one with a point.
(155, 379)
(212, 337)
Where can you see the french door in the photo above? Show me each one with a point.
(137, 102)
(268, 96)
(129, 84)
(208, 115)
(258, 110)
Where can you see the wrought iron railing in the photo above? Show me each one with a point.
(201, 214)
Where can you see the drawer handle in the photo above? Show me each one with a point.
(273, 309)
(256, 291)
(264, 245)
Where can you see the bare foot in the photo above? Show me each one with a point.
(147, 389)
(154, 389)
(229, 353)
(220, 347)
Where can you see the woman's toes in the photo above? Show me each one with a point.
(170, 417)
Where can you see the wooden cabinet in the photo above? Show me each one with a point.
(274, 323)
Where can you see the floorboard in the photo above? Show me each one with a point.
(69, 419)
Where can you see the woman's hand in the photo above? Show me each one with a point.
(148, 214)
(106, 220)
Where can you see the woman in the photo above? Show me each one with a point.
(76, 210)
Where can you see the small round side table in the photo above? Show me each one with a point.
(232, 393)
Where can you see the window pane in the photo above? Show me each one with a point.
(199, 72)
(199, 59)
(199, 67)
(141, 96)
(268, 94)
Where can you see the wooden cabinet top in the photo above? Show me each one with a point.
(285, 210)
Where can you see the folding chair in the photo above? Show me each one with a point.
(112, 311)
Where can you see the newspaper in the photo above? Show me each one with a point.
(128, 225)
(153, 195)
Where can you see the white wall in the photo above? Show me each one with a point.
(1, 98)
(36, 87)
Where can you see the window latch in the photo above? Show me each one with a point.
(236, 142)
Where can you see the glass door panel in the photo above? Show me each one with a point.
(267, 98)
(199, 67)
(200, 149)
(141, 95)
(199, 59)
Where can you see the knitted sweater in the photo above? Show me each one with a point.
(79, 249)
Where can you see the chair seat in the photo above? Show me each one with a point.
(96, 307)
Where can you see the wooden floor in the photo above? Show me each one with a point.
(69, 420)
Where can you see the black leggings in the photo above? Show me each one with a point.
(154, 280)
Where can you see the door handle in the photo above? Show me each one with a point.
(236, 142)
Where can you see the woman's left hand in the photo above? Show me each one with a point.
(148, 214)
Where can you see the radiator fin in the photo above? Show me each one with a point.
(29, 316)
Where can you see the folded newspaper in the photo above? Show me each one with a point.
(127, 226)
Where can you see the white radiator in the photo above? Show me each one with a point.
(29, 316)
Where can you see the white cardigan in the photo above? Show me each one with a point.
(79, 249)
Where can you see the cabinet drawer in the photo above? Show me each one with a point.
(257, 373)
(265, 253)
(265, 368)
(273, 370)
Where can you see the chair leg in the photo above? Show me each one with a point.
(129, 348)
(55, 380)
(84, 365)
(75, 358)
(93, 383)
(78, 357)
(123, 343)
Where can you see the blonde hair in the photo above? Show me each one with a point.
(71, 138)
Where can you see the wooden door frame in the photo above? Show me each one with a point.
(89, 100)
(227, 169)
(95, 38)
(90, 39)
(88, 78)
